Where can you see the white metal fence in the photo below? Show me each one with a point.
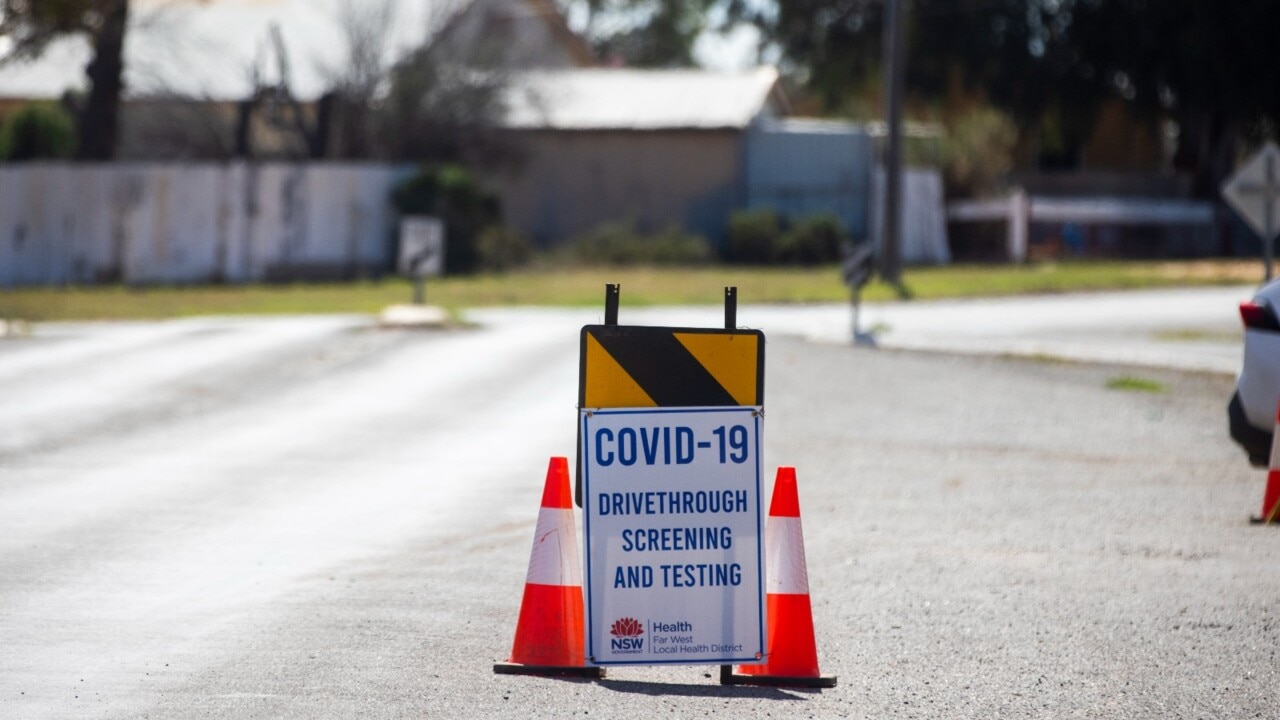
(1019, 210)
(63, 223)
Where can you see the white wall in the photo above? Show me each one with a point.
(923, 233)
(183, 223)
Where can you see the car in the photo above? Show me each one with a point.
(1252, 412)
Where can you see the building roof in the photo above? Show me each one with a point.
(630, 99)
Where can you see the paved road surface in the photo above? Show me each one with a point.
(1190, 329)
(313, 518)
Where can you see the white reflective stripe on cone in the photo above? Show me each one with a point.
(554, 560)
(784, 553)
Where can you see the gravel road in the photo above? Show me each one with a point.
(311, 517)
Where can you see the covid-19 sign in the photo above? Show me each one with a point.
(674, 523)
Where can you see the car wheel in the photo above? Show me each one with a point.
(1257, 443)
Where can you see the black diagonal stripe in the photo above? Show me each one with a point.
(659, 364)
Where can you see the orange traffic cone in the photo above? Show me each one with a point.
(791, 656)
(549, 633)
(1271, 496)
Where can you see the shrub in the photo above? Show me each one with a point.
(618, 243)
(977, 152)
(451, 193)
(502, 248)
(673, 246)
(40, 131)
(753, 234)
(813, 241)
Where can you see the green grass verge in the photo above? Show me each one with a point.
(1188, 335)
(1132, 383)
(585, 287)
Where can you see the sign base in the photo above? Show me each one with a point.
(729, 677)
(584, 671)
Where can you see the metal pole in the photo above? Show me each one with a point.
(895, 77)
(1269, 192)
(611, 294)
(730, 322)
(856, 300)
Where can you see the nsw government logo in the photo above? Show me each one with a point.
(626, 634)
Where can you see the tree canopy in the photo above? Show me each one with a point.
(1207, 65)
(653, 33)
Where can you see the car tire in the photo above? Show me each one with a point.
(1257, 443)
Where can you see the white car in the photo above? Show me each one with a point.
(1253, 409)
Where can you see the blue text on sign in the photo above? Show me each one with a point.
(668, 445)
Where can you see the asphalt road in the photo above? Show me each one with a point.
(1185, 328)
(316, 518)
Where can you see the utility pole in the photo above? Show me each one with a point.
(895, 61)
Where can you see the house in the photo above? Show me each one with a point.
(659, 147)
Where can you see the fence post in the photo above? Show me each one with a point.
(1019, 219)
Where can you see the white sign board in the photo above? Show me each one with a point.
(673, 520)
(1254, 191)
(421, 246)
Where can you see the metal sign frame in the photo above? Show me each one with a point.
(705, 369)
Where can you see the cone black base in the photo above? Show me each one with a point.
(581, 671)
(1258, 520)
(729, 677)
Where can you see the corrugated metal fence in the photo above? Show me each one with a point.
(167, 223)
(802, 168)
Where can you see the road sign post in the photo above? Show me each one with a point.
(421, 252)
(856, 268)
(1254, 192)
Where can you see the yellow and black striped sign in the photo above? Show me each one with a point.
(640, 366)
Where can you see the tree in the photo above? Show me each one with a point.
(366, 26)
(435, 103)
(440, 111)
(653, 33)
(1209, 66)
(31, 24)
(1017, 52)
(1050, 63)
(663, 38)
